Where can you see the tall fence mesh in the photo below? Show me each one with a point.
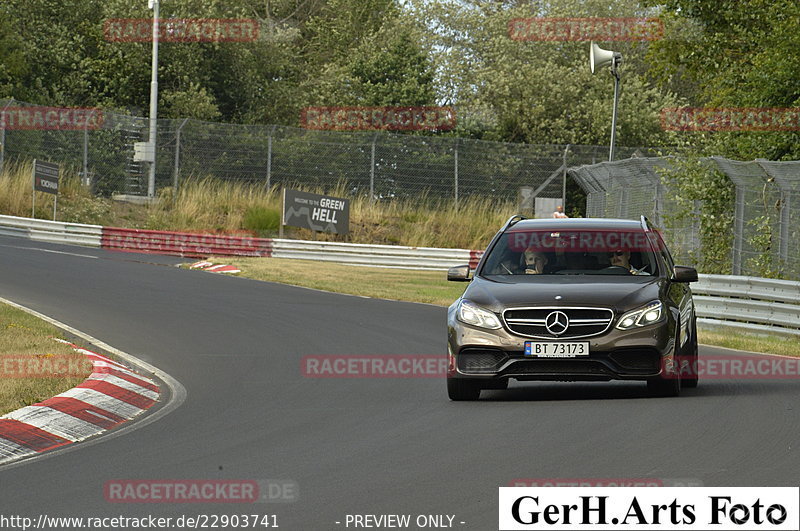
(766, 217)
(381, 165)
(766, 209)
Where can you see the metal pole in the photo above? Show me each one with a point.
(564, 180)
(269, 157)
(372, 170)
(177, 158)
(151, 182)
(33, 190)
(785, 218)
(55, 202)
(615, 73)
(283, 213)
(738, 232)
(3, 133)
(456, 174)
(86, 153)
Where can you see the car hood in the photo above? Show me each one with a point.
(620, 293)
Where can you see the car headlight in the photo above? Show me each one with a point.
(652, 313)
(471, 314)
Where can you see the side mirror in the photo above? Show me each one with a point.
(684, 274)
(458, 273)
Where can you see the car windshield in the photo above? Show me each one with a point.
(573, 252)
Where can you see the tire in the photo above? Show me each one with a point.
(459, 389)
(690, 382)
(666, 384)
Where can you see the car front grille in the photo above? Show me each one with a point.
(583, 322)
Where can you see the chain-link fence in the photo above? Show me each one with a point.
(632, 188)
(766, 209)
(381, 165)
(766, 217)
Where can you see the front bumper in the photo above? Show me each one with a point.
(638, 354)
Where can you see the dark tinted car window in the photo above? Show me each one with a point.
(573, 252)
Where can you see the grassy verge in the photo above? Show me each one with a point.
(34, 367)
(750, 342)
(383, 283)
(432, 287)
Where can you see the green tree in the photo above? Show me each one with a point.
(12, 58)
(725, 53)
(539, 92)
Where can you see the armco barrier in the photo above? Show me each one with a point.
(51, 231)
(749, 304)
(376, 255)
(183, 243)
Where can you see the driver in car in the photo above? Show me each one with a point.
(620, 258)
(535, 261)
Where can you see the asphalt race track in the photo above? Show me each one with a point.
(355, 446)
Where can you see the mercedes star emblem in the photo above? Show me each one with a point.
(556, 323)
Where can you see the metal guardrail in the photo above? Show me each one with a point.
(758, 305)
(749, 304)
(376, 255)
(51, 231)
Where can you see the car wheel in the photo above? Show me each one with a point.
(690, 382)
(463, 389)
(666, 384)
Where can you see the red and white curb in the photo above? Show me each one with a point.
(219, 268)
(111, 395)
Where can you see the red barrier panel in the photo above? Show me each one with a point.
(474, 258)
(183, 243)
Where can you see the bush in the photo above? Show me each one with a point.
(261, 219)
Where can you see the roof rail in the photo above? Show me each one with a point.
(513, 220)
(645, 223)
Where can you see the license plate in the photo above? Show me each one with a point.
(565, 349)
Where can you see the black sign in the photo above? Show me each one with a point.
(321, 213)
(45, 177)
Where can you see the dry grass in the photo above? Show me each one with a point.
(32, 364)
(215, 206)
(218, 206)
(75, 202)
